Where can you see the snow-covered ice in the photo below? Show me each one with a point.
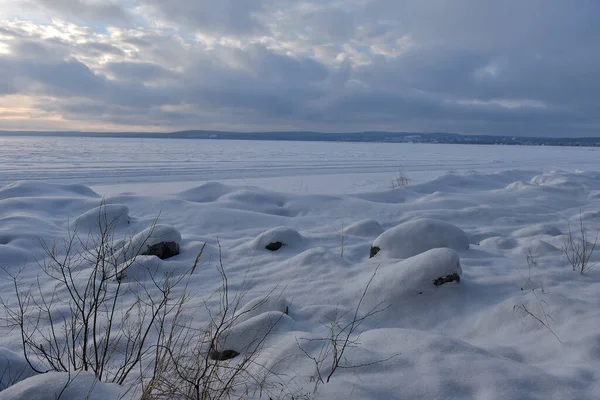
(458, 340)
(162, 166)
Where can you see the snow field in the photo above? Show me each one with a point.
(456, 340)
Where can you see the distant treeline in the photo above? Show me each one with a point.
(373, 137)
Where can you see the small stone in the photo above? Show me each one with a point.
(274, 246)
(374, 251)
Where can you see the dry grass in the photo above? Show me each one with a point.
(343, 336)
(190, 363)
(76, 317)
(578, 247)
(542, 317)
(400, 180)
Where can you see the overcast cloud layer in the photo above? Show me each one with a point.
(516, 67)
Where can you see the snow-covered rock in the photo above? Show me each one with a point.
(261, 305)
(413, 276)
(162, 241)
(280, 235)
(162, 250)
(415, 237)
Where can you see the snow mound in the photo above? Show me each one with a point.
(209, 255)
(320, 315)
(415, 275)
(205, 193)
(39, 189)
(536, 247)
(499, 243)
(257, 200)
(516, 186)
(111, 215)
(394, 196)
(477, 238)
(585, 216)
(144, 241)
(13, 368)
(540, 180)
(563, 179)
(536, 230)
(251, 334)
(286, 236)
(418, 236)
(364, 228)
(49, 386)
(15, 254)
(16, 228)
(141, 268)
(255, 197)
(262, 305)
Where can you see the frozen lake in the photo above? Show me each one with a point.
(161, 166)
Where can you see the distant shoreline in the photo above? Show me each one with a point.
(354, 137)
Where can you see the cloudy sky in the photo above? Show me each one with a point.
(514, 67)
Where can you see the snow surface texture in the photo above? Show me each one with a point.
(13, 368)
(458, 340)
(61, 385)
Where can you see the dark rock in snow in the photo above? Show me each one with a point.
(274, 246)
(223, 355)
(162, 250)
(447, 279)
(161, 241)
(374, 251)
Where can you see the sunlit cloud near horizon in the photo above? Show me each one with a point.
(466, 66)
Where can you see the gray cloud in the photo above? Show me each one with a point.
(471, 66)
(136, 71)
(220, 17)
(96, 11)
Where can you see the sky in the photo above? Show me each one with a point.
(514, 67)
